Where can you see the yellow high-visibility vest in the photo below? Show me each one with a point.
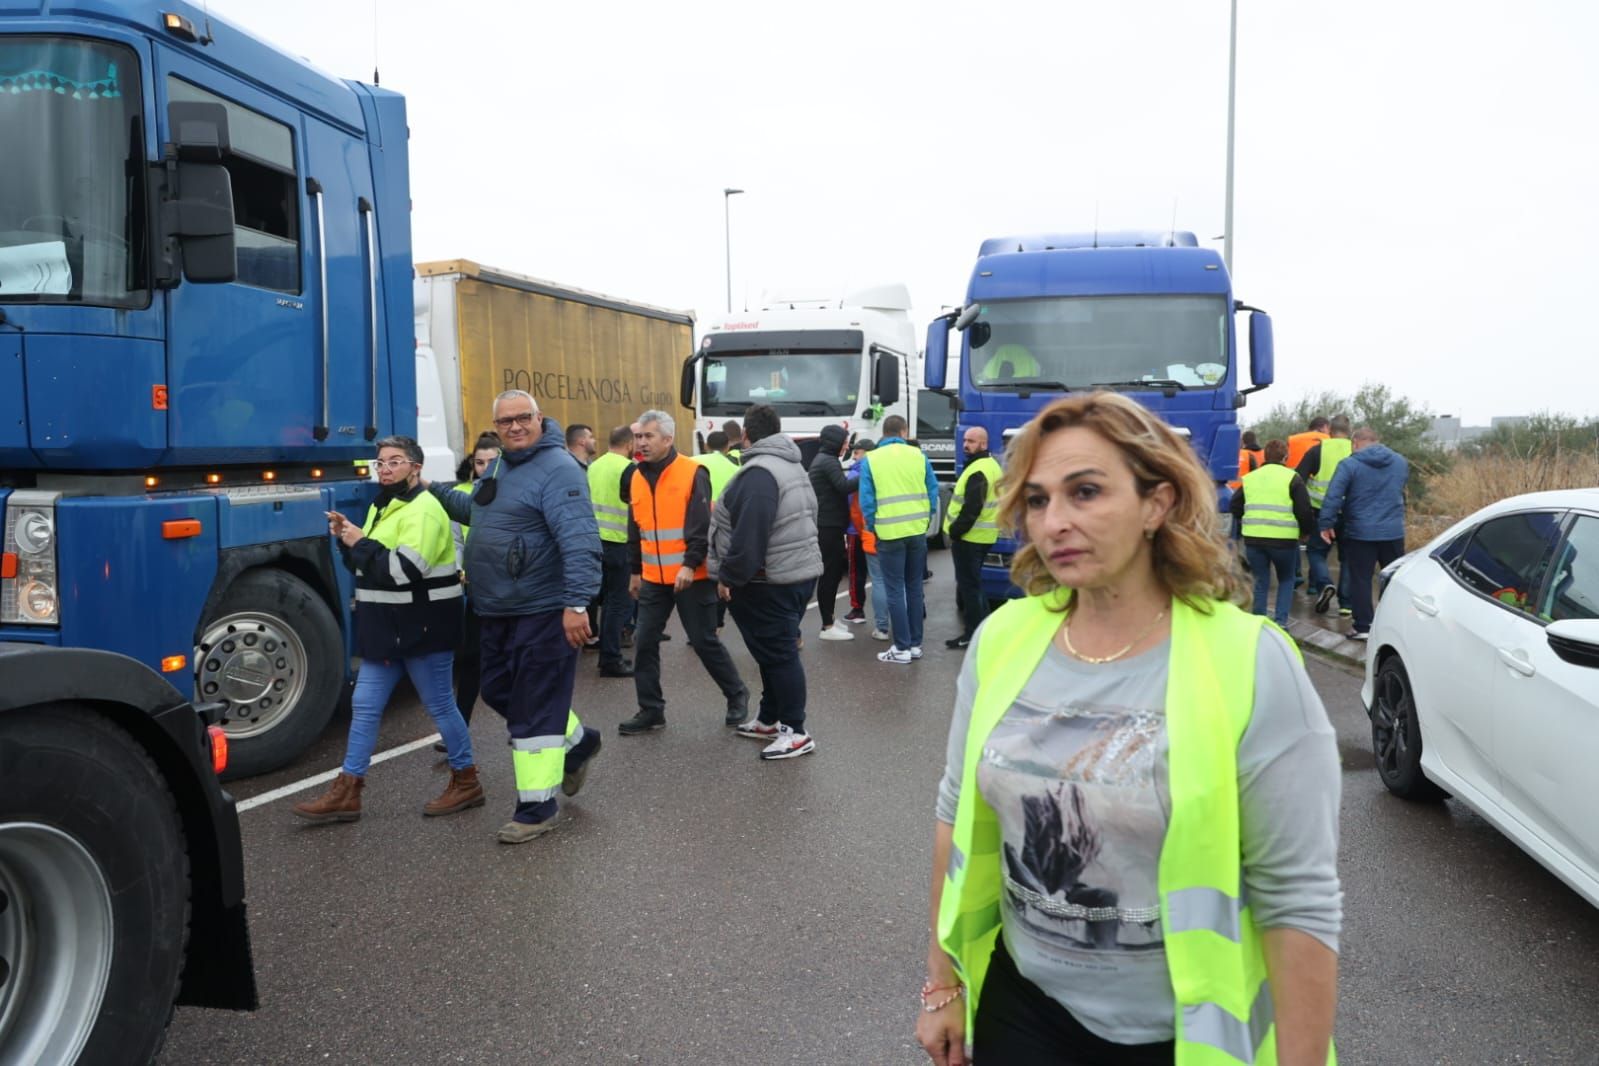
(899, 476)
(986, 529)
(1269, 503)
(605, 493)
(1334, 450)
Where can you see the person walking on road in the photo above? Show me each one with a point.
(606, 477)
(469, 654)
(1317, 467)
(765, 558)
(853, 537)
(1366, 501)
(1298, 445)
(832, 489)
(1136, 834)
(899, 496)
(1272, 509)
(533, 563)
(872, 564)
(971, 527)
(407, 623)
(1250, 457)
(715, 461)
(668, 541)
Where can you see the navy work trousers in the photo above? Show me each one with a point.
(768, 618)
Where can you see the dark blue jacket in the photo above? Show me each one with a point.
(1366, 499)
(534, 543)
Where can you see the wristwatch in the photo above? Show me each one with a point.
(580, 610)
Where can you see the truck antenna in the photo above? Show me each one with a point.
(375, 80)
(1171, 234)
(205, 6)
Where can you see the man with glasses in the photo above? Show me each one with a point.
(533, 564)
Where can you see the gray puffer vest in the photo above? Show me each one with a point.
(792, 554)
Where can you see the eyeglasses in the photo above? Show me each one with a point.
(392, 464)
(523, 419)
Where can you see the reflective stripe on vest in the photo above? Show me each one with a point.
(660, 514)
(899, 474)
(1269, 503)
(605, 493)
(415, 531)
(540, 762)
(1212, 946)
(1339, 448)
(721, 469)
(986, 529)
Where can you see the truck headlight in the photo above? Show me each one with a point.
(29, 534)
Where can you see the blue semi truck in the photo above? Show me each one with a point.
(205, 324)
(1148, 314)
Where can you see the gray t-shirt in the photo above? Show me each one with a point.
(1076, 772)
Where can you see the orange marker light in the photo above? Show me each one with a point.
(269, 475)
(173, 663)
(158, 397)
(316, 471)
(213, 479)
(219, 749)
(363, 471)
(151, 481)
(180, 528)
(8, 565)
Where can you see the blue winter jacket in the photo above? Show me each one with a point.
(535, 545)
(1366, 499)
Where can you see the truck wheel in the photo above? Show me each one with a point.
(273, 656)
(87, 974)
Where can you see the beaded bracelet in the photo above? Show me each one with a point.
(955, 992)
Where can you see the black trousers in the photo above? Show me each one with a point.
(857, 573)
(696, 609)
(1363, 558)
(616, 606)
(1019, 1025)
(969, 598)
(768, 618)
(469, 662)
(835, 564)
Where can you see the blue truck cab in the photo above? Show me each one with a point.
(205, 325)
(1148, 314)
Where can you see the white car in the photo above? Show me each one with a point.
(1482, 675)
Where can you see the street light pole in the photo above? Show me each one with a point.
(727, 237)
(1232, 86)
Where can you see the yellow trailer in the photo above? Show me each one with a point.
(585, 357)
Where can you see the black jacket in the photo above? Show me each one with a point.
(696, 524)
(827, 478)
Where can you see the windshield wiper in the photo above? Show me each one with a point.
(1025, 387)
(1142, 383)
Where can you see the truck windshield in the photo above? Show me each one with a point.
(71, 216)
(816, 383)
(1081, 341)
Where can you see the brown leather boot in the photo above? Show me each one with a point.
(340, 803)
(462, 792)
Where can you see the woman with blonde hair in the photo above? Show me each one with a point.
(1137, 829)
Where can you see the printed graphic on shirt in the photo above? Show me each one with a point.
(1083, 817)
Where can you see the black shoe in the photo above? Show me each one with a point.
(572, 780)
(618, 669)
(642, 722)
(1325, 597)
(440, 746)
(956, 643)
(737, 715)
(627, 638)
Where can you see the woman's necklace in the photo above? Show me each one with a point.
(1066, 635)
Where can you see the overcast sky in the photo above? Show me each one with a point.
(1417, 190)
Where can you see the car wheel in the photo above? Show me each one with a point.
(1396, 735)
(94, 891)
(274, 658)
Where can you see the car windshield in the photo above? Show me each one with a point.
(818, 383)
(71, 221)
(1081, 341)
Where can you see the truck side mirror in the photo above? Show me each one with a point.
(935, 356)
(200, 218)
(685, 387)
(885, 379)
(199, 131)
(1262, 356)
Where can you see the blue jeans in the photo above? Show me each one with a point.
(903, 563)
(1284, 560)
(768, 617)
(874, 571)
(431, 677)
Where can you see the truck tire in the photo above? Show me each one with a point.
(86, 974)
(274, 657)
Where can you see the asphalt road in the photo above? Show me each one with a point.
(700, 906)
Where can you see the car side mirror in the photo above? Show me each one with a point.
(200, 218)
(885, 380)
(1576, 640)
(685, 387)
(935, 355)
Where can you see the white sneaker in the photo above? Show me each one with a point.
(881, 634)
(916, 652)
(894, 655)
(837, 631)
(788, 745)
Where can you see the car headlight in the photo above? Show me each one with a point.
(29, 536)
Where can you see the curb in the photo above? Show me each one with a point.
(1332, 644)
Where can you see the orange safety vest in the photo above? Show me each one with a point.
(868, 538)
(660, 514)
(1247, 461)
(1300, 443)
